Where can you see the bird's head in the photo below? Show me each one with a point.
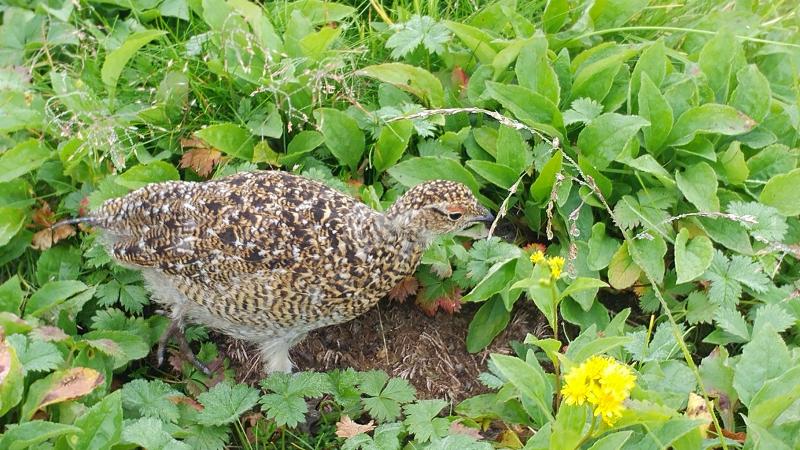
(437, 207)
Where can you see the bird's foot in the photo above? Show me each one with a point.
(176, 330)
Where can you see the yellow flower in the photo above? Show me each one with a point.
(556, 264)
(537, 257)
(602, 382)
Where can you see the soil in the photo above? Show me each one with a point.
(398, 338)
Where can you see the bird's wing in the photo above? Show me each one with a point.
(246, 223)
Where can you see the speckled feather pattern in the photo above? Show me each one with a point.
(268, 255)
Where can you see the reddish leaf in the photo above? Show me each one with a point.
(50, 334)
(459, 77)
(407, 287)
(44, 239)
(200, 157)
(43, 216)
(192, 403)
(458, 428)
(73, 383)
(452, 303)
(346, 428)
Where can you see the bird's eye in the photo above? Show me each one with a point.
(454, 215)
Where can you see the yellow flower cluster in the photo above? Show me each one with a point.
(555, 263)
(601, 381)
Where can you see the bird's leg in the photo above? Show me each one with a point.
(175, 329)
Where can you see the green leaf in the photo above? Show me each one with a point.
(11, 221)
(489, 321)
(728, 276)
(383, 402)
(477, 41)
(223, 403)
(150, 433)
(529, 380)
(342, 136)
(622, 270)
(51, 295)
(534, 71)
(763, 358)
(11, 295)
(101, 424)
(768, 226)
(512, 151)
(497, 278)
(698, 183)
(661, 347)
(497, 174)
(648, 254)
(315, 45)
(771, 161)
(301, 144)
(31, 434)
(775, 316)
(604, 139)
(731, 321)
(531, 108)
(414, 80)
(151, 398)
(144, 174)
(779, 193)
(228, 138)
(752, 96)
(692, 257)
(699, 309)
(555, 15)
(654, 108)
(12, 381)
(391, 144)
(709, 118)
(612, 441)
(601, 247)
(716, 62)
(734, 165)
(414, 171)
(123, 346)
(759, 438)
(774, 398)
(418, 30)
(597, 72)
(321, 12)
(420, 418)
(568, 426)
(22, 158)
(583, 110)
(35, 355)
(117, 59)
(580, 284)
(653, 63)
(543, 185)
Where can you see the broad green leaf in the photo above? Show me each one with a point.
(752, 96)
(648, 164)
(603, 139)
(144, 174)
(594, 79)
(416, 170)
(101, 424)
(228, 138)
(581, 284)
(709, 118)
(11, 221)
(770, 161)
(568, 426)
(760, 438)
(531, 108)
(35, 355)
(622, 270)
(497, 174)
(774, 398)
(476, 40)
(52, 294)
(601, 247)
(301, 144)
(489, 321)
(613, 14)
(763, 358)
(22, 158)
(734, 165)
(342, 136)
(698, 183)
(315, 45)
(12, 381)
(11, 295)
(122, 346)
(692, 256)
(534, 71)
(150, 398)
(322, 12)
(414, 80)
(117, 59)
(716, 61)
(498, 277)
(543, 185)
(731, 321)
(512, 151)
(653, 63)
(555, 15)
(223, 403)
(595, 346)
(654, 108)
(421, 419)
(612, 441)
(391, 144)
(779, 193)
(648, 253)
(529, 380)
(31, 434)
(58, 387)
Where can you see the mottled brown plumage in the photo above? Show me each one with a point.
(268, 256)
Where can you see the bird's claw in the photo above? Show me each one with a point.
(175, 330)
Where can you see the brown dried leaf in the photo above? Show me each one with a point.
(43, 216)
(697, 408)
(347, 428)
(458, 428)
(451, 304)
(200, 159)
(44, 239)
(50, 333)
(407, 287)
(75, 382)
(192, 403)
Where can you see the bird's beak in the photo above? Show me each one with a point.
(487, 218)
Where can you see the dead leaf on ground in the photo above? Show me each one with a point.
(44, 239)
(347, 428)
(407, 287)
(73, 383)
(458, 428)
(43, 216)
(697, 409)
(182, 399)
(200, 157)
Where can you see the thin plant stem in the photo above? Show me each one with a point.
(678, 30)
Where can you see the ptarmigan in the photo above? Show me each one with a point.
(269, 256)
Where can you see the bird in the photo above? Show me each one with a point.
(268, 256)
